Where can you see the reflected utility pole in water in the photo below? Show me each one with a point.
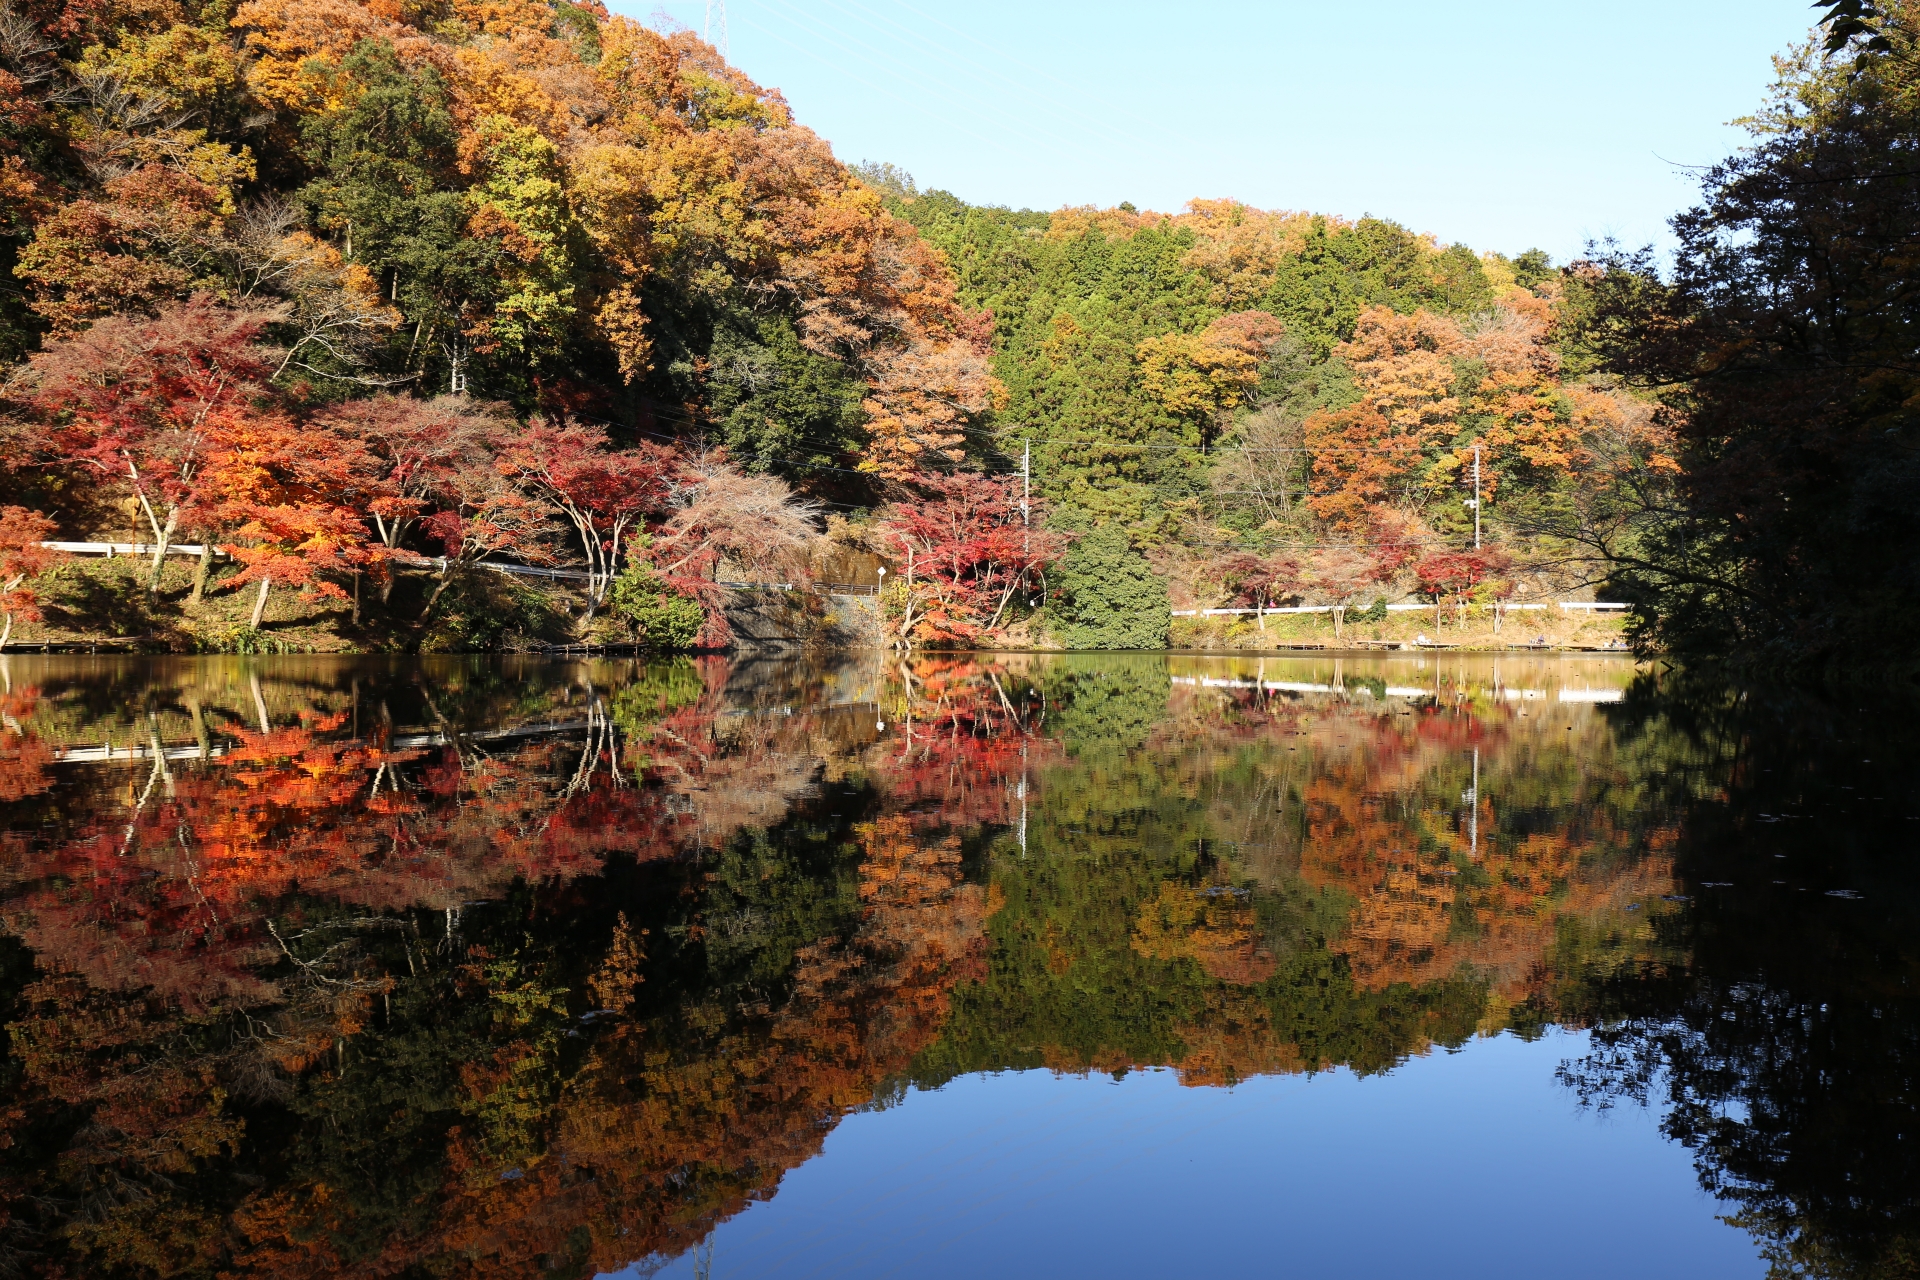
(1023, 801)
(1472, 797)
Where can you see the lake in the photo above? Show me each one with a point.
(1021, 965)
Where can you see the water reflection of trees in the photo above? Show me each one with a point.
(316, 1002)
(1236, 881)
(445, 970)
(1784, 1053)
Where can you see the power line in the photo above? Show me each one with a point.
(1255, 544)
(997, 434)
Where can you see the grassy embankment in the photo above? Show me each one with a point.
(1558, 628)
(89, 600)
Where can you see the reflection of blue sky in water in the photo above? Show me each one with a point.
(1469, 1164)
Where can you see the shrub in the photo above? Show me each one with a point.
(482, 611)
(661, 617)
(243, 639)
(1111, 598)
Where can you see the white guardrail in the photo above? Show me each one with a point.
(1591, 605)
(1397, 691)
(415, 561)
(111, 549)
(107, 753)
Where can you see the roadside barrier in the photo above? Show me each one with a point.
(1591, 605)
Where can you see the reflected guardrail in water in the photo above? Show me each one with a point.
(1582, 695)
(406, 742)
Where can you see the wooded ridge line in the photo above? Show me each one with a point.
(536, 288)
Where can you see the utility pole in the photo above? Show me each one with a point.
(1476, 495)
(1026, 495)
(714, 31)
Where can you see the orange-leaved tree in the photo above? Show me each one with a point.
(1375, 453)
(1198, 377)
(143, 402)
(279, 487)
(22, 557)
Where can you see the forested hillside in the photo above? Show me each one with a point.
(300, 279)
(360, 294)
(1289, 405)
(522, 201)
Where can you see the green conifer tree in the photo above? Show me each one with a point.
(1111, 598)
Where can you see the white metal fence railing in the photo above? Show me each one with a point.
(1584, 694)
(1591, 605)
(111, 549)
(417, 561)
(413, 560)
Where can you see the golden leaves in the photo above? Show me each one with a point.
(296, 44)
(1408, 369)
(1200, 375)
(1240, 248)
(621, 318)
(184, 66)
(505, 18)
(922, 397)
(1214, 926)
(619, 973)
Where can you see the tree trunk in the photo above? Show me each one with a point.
(200, 572)
(259, 703)
(199, 726)
(160, 550)
(356, 597)
(260, 603)
(1008, 595)
(446, 577)
(1339, 621)
(8, 588)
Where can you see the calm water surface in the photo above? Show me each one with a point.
(1103, 964)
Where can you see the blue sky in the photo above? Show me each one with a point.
(1501, 125)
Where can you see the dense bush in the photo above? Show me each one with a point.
(1111, 598)
(660, 618)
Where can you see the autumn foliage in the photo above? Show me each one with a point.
(966, 551)
(455, 316)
